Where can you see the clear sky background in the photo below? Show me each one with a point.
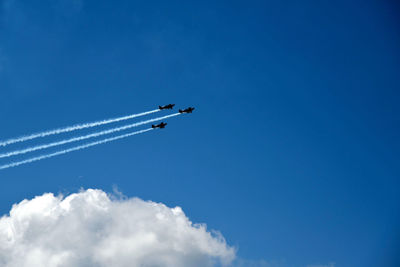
(292, 151)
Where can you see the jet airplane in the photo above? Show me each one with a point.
(187, 110)
(161, 125)
(169, 106)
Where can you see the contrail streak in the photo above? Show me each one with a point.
(73, 128)
(17, 163)
(80, 138)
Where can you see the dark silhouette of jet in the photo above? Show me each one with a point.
(187, 110)
(169, 106)
(161, 125)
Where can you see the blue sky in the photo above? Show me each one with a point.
(292, 151)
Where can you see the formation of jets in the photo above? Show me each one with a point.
(170, 106)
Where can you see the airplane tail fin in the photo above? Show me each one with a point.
(159, 107)
(152, 126)
(180, 111)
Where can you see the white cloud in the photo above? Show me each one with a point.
(91, 229)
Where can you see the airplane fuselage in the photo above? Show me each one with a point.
(187, 110)
(169, 106)
(161, 125)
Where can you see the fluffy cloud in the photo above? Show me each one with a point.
(91, 229)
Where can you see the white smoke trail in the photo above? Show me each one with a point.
(80, 138)
(17, 163)
(73, 128)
